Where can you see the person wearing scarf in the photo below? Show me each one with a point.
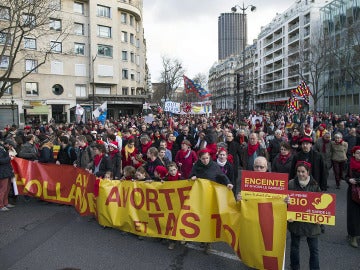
(304, 181)
(252, 151)
(338, 149)
(353, 208)
(185, 158)
(282, 161)
(225, 165)
(115, 159)
(294, 139)
(129, 153)
(145, 145)
(102, 163)
(85, 156)
(321, 131)
(206, 168)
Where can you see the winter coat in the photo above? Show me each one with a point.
(67, 155)
(85, 158)
(28, 151)
(278, 166)
(302, 228)
(6, 170)
(104, 166)
(338, 151)
(317, 162)
(210, 171)
(46, 154)
(115, 164)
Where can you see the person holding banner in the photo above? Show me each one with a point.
(6, 173)
(304, 181)
(102, 163)
(206, 168)
(353, 208)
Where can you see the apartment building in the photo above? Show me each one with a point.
(341, 28)
(281, 44)
(96, 53)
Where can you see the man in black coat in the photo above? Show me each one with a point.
(314, 158)
(185, 135)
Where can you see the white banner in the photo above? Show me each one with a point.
(173, 107)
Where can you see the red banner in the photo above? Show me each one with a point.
(63, 184)
(312, 207)
(263, 184)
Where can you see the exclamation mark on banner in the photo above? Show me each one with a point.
(266, 219)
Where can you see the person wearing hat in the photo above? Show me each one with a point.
(46, 150)
(160, 173)
(303, 181)
(115, 159)
(185, 158)
(320, 131)
(308, 154)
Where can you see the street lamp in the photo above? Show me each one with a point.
(93, 85)
(243, 9)
(13, 109)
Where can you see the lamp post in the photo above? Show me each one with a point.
(238, 79)
(93, 85)
(13, 109)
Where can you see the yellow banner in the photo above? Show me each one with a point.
(201, 211)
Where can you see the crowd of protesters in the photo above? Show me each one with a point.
(216, 147)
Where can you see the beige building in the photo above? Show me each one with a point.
(97, 54)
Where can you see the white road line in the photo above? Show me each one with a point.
(215, 252)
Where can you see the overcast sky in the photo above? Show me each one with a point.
(187, 30)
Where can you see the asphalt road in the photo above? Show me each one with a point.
(42, 236)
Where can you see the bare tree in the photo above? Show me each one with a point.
(311, 64)
(24, 25)
(172, 75)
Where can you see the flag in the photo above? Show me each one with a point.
(79, 112)
(101, 112)
(293, 105)
(191, 87)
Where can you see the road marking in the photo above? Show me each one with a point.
(215, 252)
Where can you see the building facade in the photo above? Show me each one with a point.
(341, 28)
(99, 56)
(282, 45)
(231, 36)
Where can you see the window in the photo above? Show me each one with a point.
(103, 90)
(55, 4)
(124, 55)
(132, 91)
(30, 43)
(138, 76)
(124, 37)
(123, 17)
(4, 13)
(29, 20)
(57, 67)
(8, 89)
(4, 61)
(131, 21)
(132, 57)
(137, 43)
(80, 90)
(56, 46)
(103, 11)
(78, 29)
(78, 7)
(125, 91)
(5, 38)
(132, 39)
(125, 74)
(79, 48)
(105, 50)
(30, 65)
(104, 31)
(55, 24)
(138, 60)
(31, 89)
(132, 76)
(57, 89)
